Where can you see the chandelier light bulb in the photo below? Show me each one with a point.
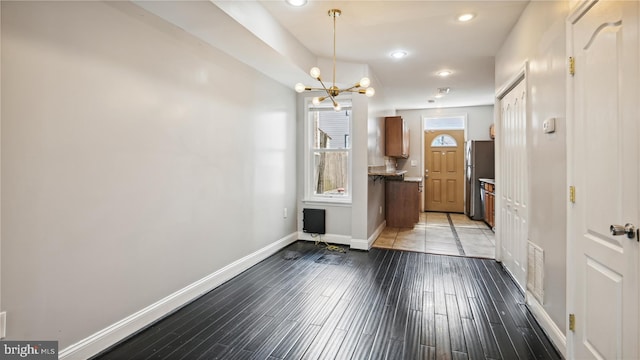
(315, 72)
(337, 107)
(316, 101)
(300, 87)
(365, 82)
(370, 92)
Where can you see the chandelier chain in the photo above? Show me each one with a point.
(334, 14)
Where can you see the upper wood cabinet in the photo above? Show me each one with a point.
(396, 137)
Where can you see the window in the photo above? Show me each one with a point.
(444, 141)
(445, 123)
(328, 162)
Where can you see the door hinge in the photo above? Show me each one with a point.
(572, 194)
(572, 66)
(572, 322)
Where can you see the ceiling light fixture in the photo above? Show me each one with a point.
(444, 73)
(361, 87)
(296, 2)
(442, 92)
(399, 54)
(465, 17)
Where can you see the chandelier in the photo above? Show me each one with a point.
(361, 87)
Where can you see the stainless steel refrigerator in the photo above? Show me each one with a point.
(480, 163)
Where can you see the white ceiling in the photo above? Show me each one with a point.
(367, 32)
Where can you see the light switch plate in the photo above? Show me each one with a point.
(549, 125)
(414, 163)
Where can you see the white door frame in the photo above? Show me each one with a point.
(521, 75)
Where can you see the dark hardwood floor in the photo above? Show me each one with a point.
(381, 304)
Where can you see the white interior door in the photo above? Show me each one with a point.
(603, 144)
(512, 187)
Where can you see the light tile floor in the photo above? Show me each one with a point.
(434, 234)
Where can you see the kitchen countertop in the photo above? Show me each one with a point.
(382, 173)
(387, 173)
(490, 181)
(417, 179)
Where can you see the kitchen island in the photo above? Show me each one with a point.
(403, 202)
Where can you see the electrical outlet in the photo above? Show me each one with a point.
(284, 213)
(3, 325)
(549, 126)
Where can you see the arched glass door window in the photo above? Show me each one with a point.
(444, 141)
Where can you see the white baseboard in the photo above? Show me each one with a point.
(330, 238)
(367, 244)
(358, 244)
(548, 325)
(128, 326)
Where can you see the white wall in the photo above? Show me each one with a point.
(135, 161)
(376, 196)
(359, 175)
(539, 36)
(376, 205)
(378, 108)
(479, 118)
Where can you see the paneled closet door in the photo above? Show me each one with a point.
(603, 259)
(512, 187)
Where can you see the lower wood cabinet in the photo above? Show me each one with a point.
(489, 204)
(402, 203)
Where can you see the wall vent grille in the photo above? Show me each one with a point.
(313, 221)
(535, 271)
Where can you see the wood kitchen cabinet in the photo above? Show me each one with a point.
(396, 137)
(403, 203)
(489, 204)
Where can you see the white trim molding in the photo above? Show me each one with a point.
(558, 338)
(360, 244)
(330, 238)
(128, 326)
(357, 244)
(374, 236)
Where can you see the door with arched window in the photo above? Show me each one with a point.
(444, 170)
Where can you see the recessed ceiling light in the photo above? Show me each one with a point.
(465, 17)
(296, 2)
(444, 73)
(399, 54)
(438, 96)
